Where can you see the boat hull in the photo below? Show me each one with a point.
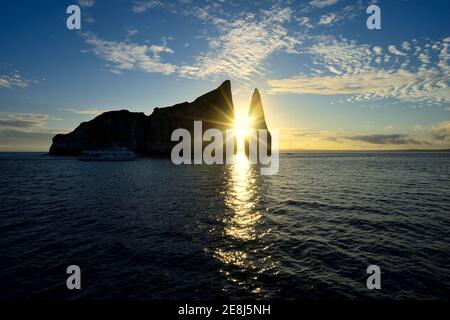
(107, 159)
(108, 155)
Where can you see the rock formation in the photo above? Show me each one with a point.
(149, 135)
(258, 121)
(113, 128)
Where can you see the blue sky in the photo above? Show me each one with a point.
(327, 82)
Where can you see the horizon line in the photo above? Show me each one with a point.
(287, 151)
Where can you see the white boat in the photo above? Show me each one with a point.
(113, 154)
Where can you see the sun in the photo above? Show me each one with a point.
(242, 128)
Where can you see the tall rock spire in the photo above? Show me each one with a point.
(257, 122)
(256, 112)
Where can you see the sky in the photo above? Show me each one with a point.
(327, 82)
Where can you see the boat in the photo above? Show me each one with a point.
(112, 154)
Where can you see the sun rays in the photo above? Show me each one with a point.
(242, 127)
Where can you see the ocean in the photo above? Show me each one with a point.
(148, 229)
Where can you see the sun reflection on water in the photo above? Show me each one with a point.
(242, 198)
(244, 249)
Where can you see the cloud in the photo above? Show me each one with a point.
(307, 138)
(378, 50)
(420, 127)
(93, 111)
(18, 140)
(125, 55)
(25, 121)
(305, 22)
(406, 45)
(368, 85)
(345, 56)
(387, 139)
(441, 131)
(393, 49)
(243, 45)
(322, 3)
(13, 81)
(89, 19)
(357, 70)
(328, 19)
(14, 135)
(436, 138)
(131, 32)
(86, 3)
(143, 6)
(317, 139)
(26, 131)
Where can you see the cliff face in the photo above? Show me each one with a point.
(215, 109)
(148, 134)
(258, 121)
(121, 128)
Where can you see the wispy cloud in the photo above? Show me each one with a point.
(26, 131)
(406, 45)
(305, 22)
(441, 131)
(378, 50)
(328, 18)
(145, 5)
(17, 136)
(24, 121)
(322, 3)
(305, 138)
(387, 139)
(125, 55)
(420, 127)
(244, 44)
(131, 32)
(86, 3)
(393, 49)
(92, 111)
(356, 70)
(13, 81)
